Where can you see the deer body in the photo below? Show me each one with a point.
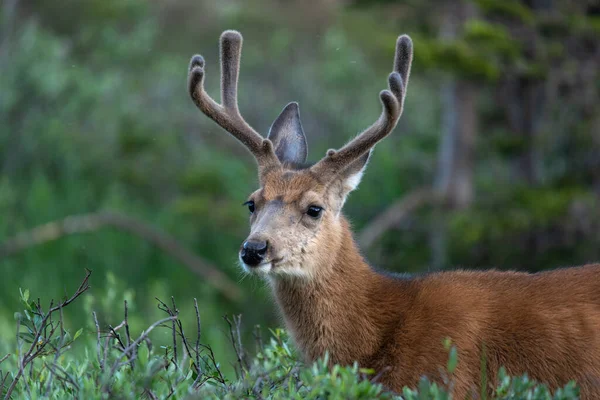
(546, 325)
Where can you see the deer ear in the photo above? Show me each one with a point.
(352, 175)
(287, 136)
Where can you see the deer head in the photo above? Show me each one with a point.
(296, 224)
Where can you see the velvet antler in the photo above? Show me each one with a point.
(392, 101)
(227, 114)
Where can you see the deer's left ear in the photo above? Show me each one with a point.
(287, 136)
(351, 176)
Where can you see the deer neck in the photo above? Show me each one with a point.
(335, 312)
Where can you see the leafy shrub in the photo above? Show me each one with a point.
(116, 365)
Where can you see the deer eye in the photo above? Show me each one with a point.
(250, 204)
(314, 211)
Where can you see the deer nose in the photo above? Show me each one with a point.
(253, 252)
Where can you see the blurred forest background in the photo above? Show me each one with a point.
(495, 163)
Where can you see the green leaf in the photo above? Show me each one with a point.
(25, 295)
(452, 360)
(27, 337)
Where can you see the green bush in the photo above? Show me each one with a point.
(114, 364)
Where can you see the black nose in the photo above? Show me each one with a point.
(253, 252)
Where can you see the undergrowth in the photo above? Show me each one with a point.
(118, 364)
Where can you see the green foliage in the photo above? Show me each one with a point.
(94, 115)
(526, 388)
(117, 365)
(459, 57)
(510, 8)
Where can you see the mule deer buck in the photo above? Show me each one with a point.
(546, 324)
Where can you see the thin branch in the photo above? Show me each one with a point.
(258, 341)
(236, 341)
(115, 335)
(396, 213)
(186, 345)
(58, 351)
(98, 342)
(30, 355)
(215, 364)
(127, 333)
(129, 349)
(380, 374)
(20, 357)
(198, 336)
(56, 369)
(77, 224)
(3, 382)
(177, 330)
(174, 331)
(238, 330)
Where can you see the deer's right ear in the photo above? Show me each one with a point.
(287, 136)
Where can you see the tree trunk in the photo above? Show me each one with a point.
(524, 100)
(454, 180)
(457, 150)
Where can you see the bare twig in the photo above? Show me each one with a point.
(198, 336)
(396, 213)
(3, 379)
(186, 345)
(77, 224)
(211, 356)
(177, 330)
(19, 345)
(128, 351)
(380, 374)
(61, 374)
(175, 312)
(4, 358)
(115, 335)
(238, 330)
(236, 341)
(98, 342)
(106, 348)
(37, 345)
(127, 334)
(258, 341)
(150, 394)
(20, 357)
(58, 351)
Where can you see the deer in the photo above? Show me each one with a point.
(544, 324)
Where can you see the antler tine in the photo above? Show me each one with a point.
(392, 101)
(402, 62)
(227, 114)
(231, 51)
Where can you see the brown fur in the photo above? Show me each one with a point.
(546, 325)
